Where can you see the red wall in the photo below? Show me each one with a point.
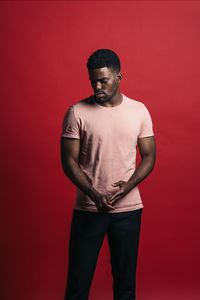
(44, 49)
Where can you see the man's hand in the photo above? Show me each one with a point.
(147, 149)
(124, 188)
(101, 202)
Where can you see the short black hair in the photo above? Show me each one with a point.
(104, 58)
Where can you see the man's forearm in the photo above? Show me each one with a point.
(143, 169)
(78, 177)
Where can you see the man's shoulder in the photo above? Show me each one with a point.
(83, 102)
(133, 103)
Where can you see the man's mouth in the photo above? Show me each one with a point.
(99, 95)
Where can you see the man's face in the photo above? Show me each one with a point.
(105, 83)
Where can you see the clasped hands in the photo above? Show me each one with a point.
(104, 203)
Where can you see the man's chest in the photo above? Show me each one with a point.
(104, 128)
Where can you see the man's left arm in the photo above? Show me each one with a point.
(147, 149)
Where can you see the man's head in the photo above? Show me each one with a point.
(104, 73)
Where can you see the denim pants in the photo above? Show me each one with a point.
(88, 230)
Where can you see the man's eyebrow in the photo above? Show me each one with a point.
(99, 78)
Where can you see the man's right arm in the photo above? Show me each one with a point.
(70, 149)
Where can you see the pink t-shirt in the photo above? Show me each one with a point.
(108, 147)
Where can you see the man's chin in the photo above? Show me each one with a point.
(101, 99)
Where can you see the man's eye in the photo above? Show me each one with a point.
(102, 81)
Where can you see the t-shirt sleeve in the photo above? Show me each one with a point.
(146, 128)
(70, 126)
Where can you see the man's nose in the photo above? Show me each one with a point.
(97, 86)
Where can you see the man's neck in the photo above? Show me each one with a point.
(114, 101)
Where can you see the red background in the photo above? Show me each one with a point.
(44, 49)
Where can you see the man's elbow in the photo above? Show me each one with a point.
(68, 164)
(152, 160)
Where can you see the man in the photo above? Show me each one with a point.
(98, 151)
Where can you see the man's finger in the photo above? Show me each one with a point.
(106, 204)
(116, 198)
(106, 209)
(115, 195)
(110, 206)
(117, 183)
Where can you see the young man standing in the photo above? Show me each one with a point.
(99, 138)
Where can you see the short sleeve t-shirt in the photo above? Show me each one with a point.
(108, 147)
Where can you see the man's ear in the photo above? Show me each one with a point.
(120, 76)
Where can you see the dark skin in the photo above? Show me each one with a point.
(107, 81)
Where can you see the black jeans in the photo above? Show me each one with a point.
(88, 230)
